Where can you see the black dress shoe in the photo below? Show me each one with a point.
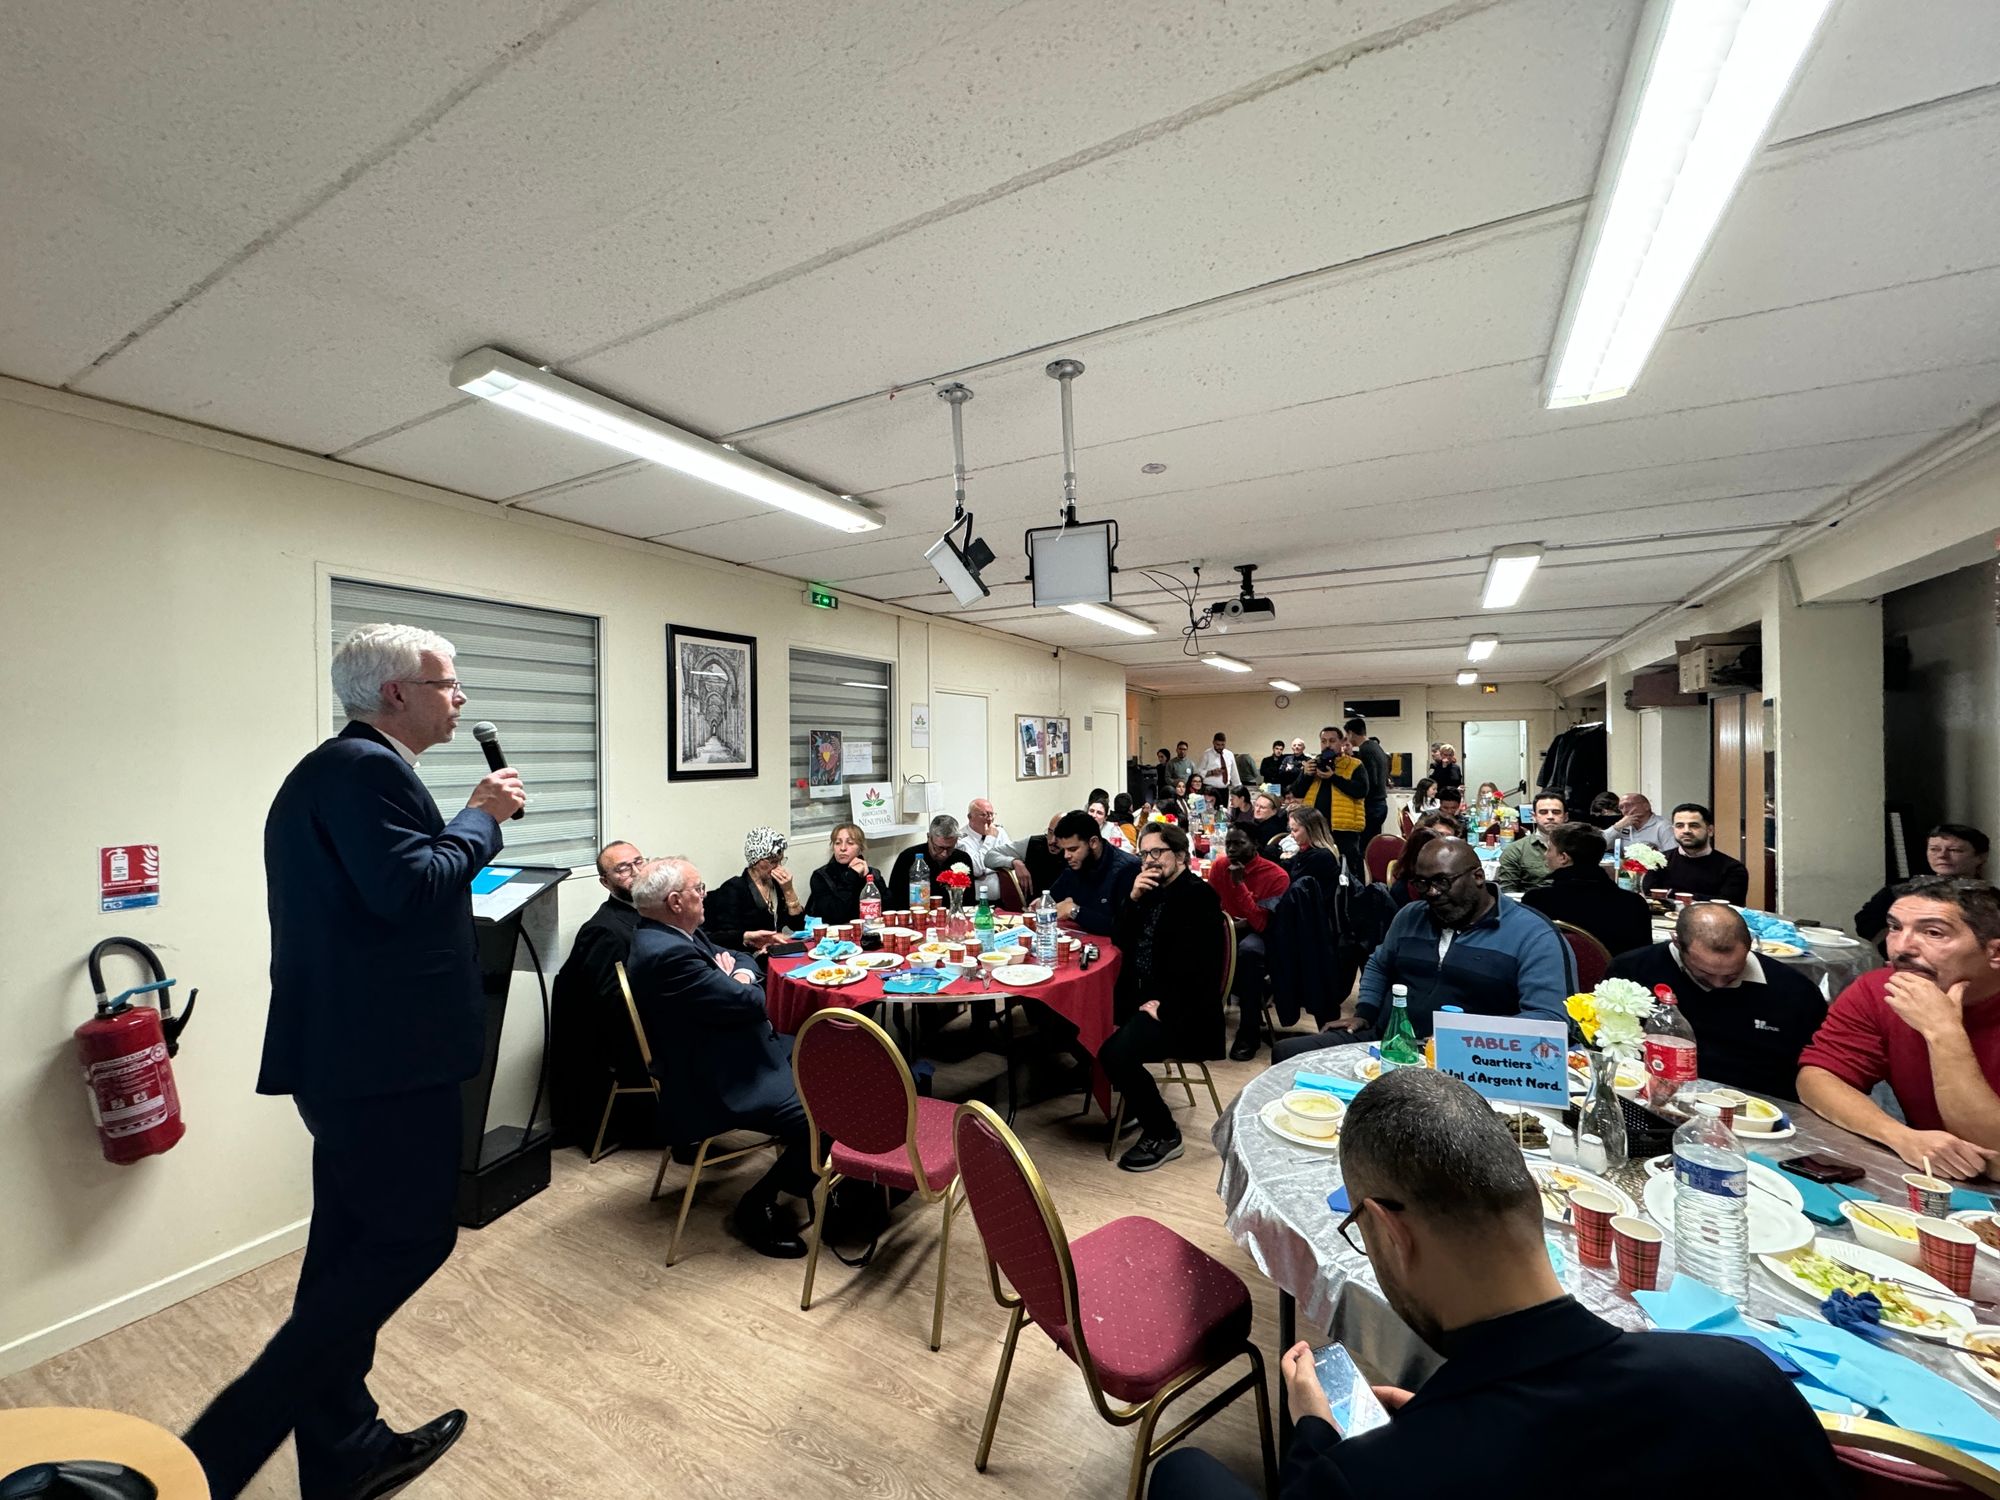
(768, 1232)
(1248, 1040)
(410, 1453)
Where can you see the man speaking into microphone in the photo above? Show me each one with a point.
(376, 1019)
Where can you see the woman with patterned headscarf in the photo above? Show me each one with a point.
(752, 910)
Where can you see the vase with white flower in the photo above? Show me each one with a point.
(1612, 1018)
(1638, 862)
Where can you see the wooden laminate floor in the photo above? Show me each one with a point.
(590, 1369)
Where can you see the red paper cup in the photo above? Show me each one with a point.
(1590, 1213)
(1946, 1250)
(1638, 1246)
(1930, 1197)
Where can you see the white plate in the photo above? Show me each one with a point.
(875, 960)
(1832, 936)
(813, 976)
(1774, 1228)
(1021, 975)
(1765, 1182)
(1774, 949)
(1966, 1216)
(1989, 1339)
(1871, 1263)
(1274, 1117)
(1352, 1060)
(1543, 1173)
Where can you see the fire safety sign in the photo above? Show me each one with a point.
(128, 876)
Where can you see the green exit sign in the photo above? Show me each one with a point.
(822, 598)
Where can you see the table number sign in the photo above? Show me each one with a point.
(1509, 1058)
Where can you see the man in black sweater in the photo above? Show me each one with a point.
(1169, 1004)
(589, 1032)
(1752, 1017)
(1580, 893)
(1695, 865)
(1451, 1223)
(1093, 888)
(1375, 765)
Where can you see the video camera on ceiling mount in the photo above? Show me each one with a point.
(1246, 608)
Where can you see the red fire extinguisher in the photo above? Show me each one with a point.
(124, 1050)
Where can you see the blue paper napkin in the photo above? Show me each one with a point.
(1821, 1202)
(1965, 1198)
(915, 982)
(842, 949)
(1337, 1200)
(1768, 928)
(1340, 1088)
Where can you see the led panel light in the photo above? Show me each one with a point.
(1284, 686)
(1507, 573)
(1117, 619)
(1481, 647)
(519, 386)
(1071, 564)
(1467, 677)
(1704, 82)
(1226, 663)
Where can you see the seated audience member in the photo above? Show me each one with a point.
(1501, 960)
(1953, 851)
(756, 908)
(981, 840)
(1125, 815)
(721, 1065)
(1098, 878)
(1694, 863)
(1246, 883)
(1036, 859)
(1582, 893)
(1524, 863)
(1308, 848)
(1930, 1024)
(1752, 1016)
(1267, 822)
(1489, 794)
(1450, 1220)
(588, 1030)
(1637, 823)
(1239, 804)
(1169, 1003)
(1422, 800)
(940, 852)
(1271, 767)
(1451, 808)
(1107, 830)
(1400, 892)
(1335, 785)
(1603, 810)
(835, 894)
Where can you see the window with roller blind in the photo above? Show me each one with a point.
(844, 693)
(533, 672)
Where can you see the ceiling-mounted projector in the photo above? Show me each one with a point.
(1246, 608)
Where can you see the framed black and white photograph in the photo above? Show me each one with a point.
(711, 704)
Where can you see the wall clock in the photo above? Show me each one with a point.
(1283, 700)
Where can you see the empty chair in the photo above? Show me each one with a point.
(1383, 850)
(1593, 959)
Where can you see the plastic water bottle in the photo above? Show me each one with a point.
(871, 906)
(1045, 931)
(920, 885)
(1670, 1050)
(1712, 1203)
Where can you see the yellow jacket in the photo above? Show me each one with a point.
(1344, 810)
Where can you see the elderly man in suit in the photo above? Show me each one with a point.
(376, 1019)
(721, 1065)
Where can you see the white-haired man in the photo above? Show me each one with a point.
(376, 1019)
(982, 838)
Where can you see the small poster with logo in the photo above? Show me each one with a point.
(874, 808)
(128, 876)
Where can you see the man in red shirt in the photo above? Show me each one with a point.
(1247, 883)
(1930, 1024)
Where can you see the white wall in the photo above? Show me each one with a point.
(162, 592)
(1674, 756)
(1941, 752)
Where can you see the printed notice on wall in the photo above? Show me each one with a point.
(128, 876)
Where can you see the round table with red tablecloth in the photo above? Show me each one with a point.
(1081, 996)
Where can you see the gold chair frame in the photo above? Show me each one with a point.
(1174, 1071)
(1146, 1414)
(951, 1196)
(1571, 929)
(1913, 1448)
(623, 1090)
(702, 1158)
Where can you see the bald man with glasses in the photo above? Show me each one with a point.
(589, 1033)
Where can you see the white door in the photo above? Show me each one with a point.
(958, 748)
(1107, 750)
(1495, 750)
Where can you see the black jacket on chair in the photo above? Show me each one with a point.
(375, 984)
(835, 896)
(714, 1050)
(1182, 967)
(589, 1033)
(1590, 899)
(1299, 949)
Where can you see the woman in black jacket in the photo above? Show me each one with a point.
(761, 899)
(1314, 852)
(837, 884)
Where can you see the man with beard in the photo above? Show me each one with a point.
(1694, 864)
(1930, 1025)
(1098, 879)
(1445, 1211)
(1524, 864)
(1270, 768)
(589, 1033)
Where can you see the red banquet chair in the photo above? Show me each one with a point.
(1017, 892)
(1144, 1315)
(1888, 1463)
(858, 1092)
(1593, 959)
(1383, 850)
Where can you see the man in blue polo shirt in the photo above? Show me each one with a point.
(1463, 945)
(1098, 879)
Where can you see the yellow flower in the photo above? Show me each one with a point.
(1583, 1010)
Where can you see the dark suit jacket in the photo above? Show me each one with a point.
(588, 1029)
(374, 969)
(1679, 1408)
(1749, 1037)
(718, 1059)
(1180, 966)
(1592, 900)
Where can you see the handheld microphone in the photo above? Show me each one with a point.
(488, 735)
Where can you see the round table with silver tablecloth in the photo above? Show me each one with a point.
(1274, 1194)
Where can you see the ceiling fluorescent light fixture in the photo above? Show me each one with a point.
(1704, 82)
(534, 392)
(1226, 663)
(1507, 573)
(1467, 677)
(1481, 647)
(1285, 686)
(1117, 619)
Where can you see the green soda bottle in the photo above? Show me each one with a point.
(1399, 1040)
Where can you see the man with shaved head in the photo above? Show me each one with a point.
(1752, 1017)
